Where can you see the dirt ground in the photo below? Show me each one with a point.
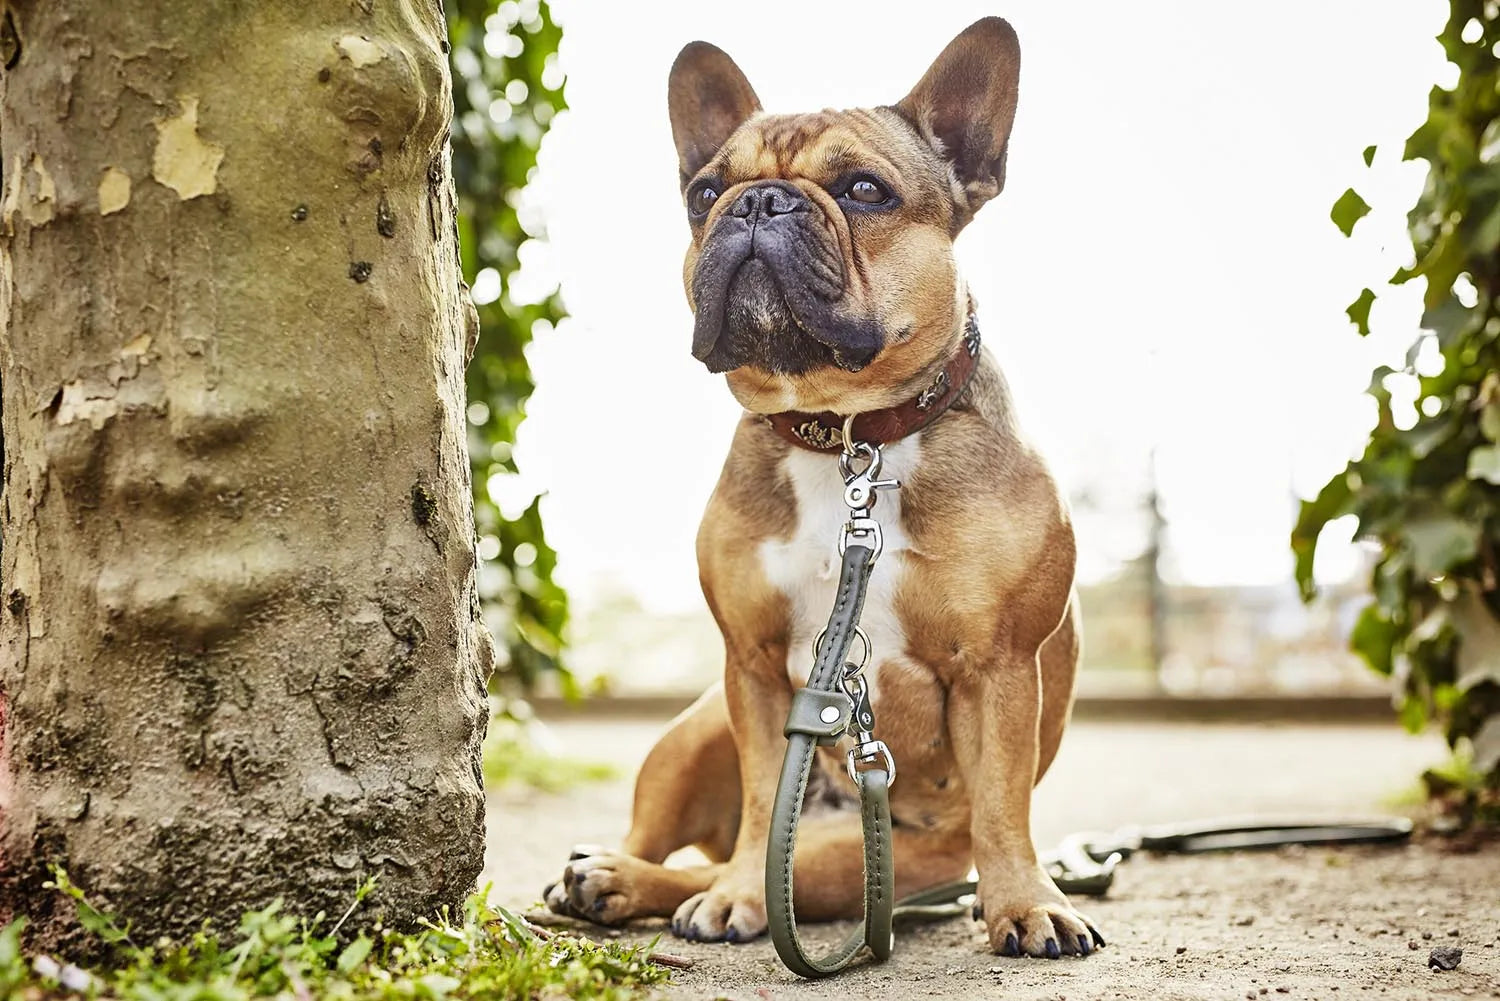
(1297, 923)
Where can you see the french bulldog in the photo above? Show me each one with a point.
(823, 284)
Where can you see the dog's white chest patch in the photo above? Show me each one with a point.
(806, 567)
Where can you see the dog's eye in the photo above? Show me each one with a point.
(702, 198)
(868, 191)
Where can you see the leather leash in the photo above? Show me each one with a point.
(836, 701)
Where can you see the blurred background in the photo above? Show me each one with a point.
(1160, 280)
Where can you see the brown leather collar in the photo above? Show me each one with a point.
(824, 432)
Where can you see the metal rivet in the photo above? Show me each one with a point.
(830, 714)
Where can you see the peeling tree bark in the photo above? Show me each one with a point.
(240, 656)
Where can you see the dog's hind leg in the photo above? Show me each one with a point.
(688, 789)
(687, 793)
(612, 887)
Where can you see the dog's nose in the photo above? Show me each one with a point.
(768, 199)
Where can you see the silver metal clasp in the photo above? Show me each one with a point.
(860, 485)
(862, 724)
(872, 750)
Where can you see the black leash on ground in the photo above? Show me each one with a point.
(835, 702)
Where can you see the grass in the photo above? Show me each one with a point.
(489, 953)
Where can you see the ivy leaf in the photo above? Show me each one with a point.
(1489, 420)
(1478, 657)
(1332, 502)
(1487, 746)
(1449, 319)
(1348, 210)
(1484, 464)
(1369, 155)
(1486, 235)
(1374, 638)
(1359, 311)
(1441, 264)
(1440, 542)
(1413, 714)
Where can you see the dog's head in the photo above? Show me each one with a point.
(821, 273)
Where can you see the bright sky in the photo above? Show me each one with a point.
(1160, 270)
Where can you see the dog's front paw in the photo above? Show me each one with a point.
(725, 912)
(595, 886)
(1027, 915)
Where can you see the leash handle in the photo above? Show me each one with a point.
(821, 713)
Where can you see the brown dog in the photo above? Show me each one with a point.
(822, 279)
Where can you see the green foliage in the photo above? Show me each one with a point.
(489, 954)
(1359, 311)
(512, 758)
(1428, 493)
(1462, 791)
(1348, 210)
(506, 89)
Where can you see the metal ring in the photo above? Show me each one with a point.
(849, 434)
(863, 661)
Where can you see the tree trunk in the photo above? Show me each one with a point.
(240, 654)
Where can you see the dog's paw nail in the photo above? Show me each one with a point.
(1098, 939)
(1011, 946)
(1083, 945)
(731, 934)
(599, 908)
(978, 911)
(584, 851)
(1052, 950)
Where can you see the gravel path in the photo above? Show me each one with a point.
(1311, 924)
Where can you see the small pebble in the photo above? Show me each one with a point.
(1426, 936)
(1445, 959)
(1412, 945)
(1181, 949)
(1453, 933)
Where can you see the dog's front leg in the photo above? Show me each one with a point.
(994, 714)
(759, 696)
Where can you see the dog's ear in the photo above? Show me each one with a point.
(965, 104)
(708, 98)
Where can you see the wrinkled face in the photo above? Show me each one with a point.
(821, 271)
(821, 246)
